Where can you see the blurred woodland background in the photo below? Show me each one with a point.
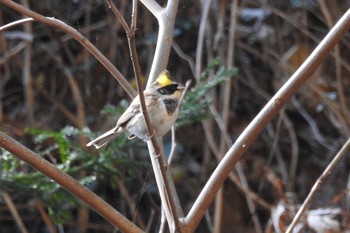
(55, 96)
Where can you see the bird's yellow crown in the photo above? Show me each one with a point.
(164, 79)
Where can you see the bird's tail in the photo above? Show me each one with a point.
(105, 138)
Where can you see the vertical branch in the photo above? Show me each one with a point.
(166, 20)
(166, 189)
(78, 99)
(200, 40)
(225, 92)
(338, 65)
(87, 16)
(27, 75)
(230, 64)
(226, 106)
(219, 205)
(5, 74)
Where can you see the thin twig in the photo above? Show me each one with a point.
(79, 103)
(173, 139)
(248, 192)
(294, 153)
(119, 16)
(313, 125)
(49, 224)
(14, 212)
(200, 40)
(218, 211)
(318, 184)
(331, 105)
(250, 202)
(299, 26)
(16, 23)
(225, 95)
(124, 192)
(184, 56)
(338, 65)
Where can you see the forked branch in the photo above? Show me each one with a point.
(156, 154)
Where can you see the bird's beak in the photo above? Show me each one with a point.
(180, 87)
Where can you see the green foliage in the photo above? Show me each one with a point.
(113, 111)
(17, 177)
(59, 137)
(61, 148)
(196, 103)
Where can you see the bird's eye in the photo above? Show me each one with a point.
(168, 90)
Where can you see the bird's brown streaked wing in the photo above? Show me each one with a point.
(132, 110)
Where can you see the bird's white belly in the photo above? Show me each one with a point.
(160, 121)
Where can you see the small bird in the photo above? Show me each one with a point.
(162, 102)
